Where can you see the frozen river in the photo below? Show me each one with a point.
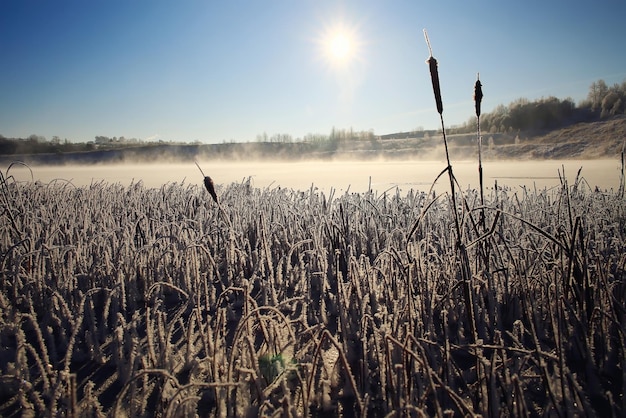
(355, 176)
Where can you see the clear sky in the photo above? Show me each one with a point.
(218, 71)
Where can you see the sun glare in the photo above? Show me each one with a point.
(340, 46)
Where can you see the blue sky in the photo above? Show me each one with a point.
(218, 71)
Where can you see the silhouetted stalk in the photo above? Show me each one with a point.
(434, 77)
(208, 183)
(210, 187)
(464, 260)
(478, 97)
(483, 248)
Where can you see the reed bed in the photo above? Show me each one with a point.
(128, 301)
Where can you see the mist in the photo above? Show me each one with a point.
(342, 176)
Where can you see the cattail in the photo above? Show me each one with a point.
(478, 95)
(208, 184)
(434, 75)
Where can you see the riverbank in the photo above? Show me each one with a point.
(590, 140)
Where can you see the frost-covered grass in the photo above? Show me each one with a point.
(133, 301)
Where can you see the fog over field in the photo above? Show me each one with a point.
(353, 176)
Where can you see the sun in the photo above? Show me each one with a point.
(340, 46)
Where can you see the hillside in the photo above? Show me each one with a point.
(583, 141)
(590, 140)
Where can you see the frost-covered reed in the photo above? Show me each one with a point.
(132, 301)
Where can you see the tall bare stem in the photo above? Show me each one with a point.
(434, 77)
(478, 97)
(466, 273)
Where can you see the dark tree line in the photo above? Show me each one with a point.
(524, 115)
(36, 144)
(551, 113)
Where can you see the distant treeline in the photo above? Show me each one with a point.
(521, 115)
(550, 113)
(37, 144)
(178, 152)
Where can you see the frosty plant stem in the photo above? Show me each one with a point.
(466, 273)
(478, 97)
(434, 77)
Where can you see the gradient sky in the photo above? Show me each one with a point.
(218, 71)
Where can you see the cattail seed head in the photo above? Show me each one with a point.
(208, 184)
(478, 95)
(434, 76)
